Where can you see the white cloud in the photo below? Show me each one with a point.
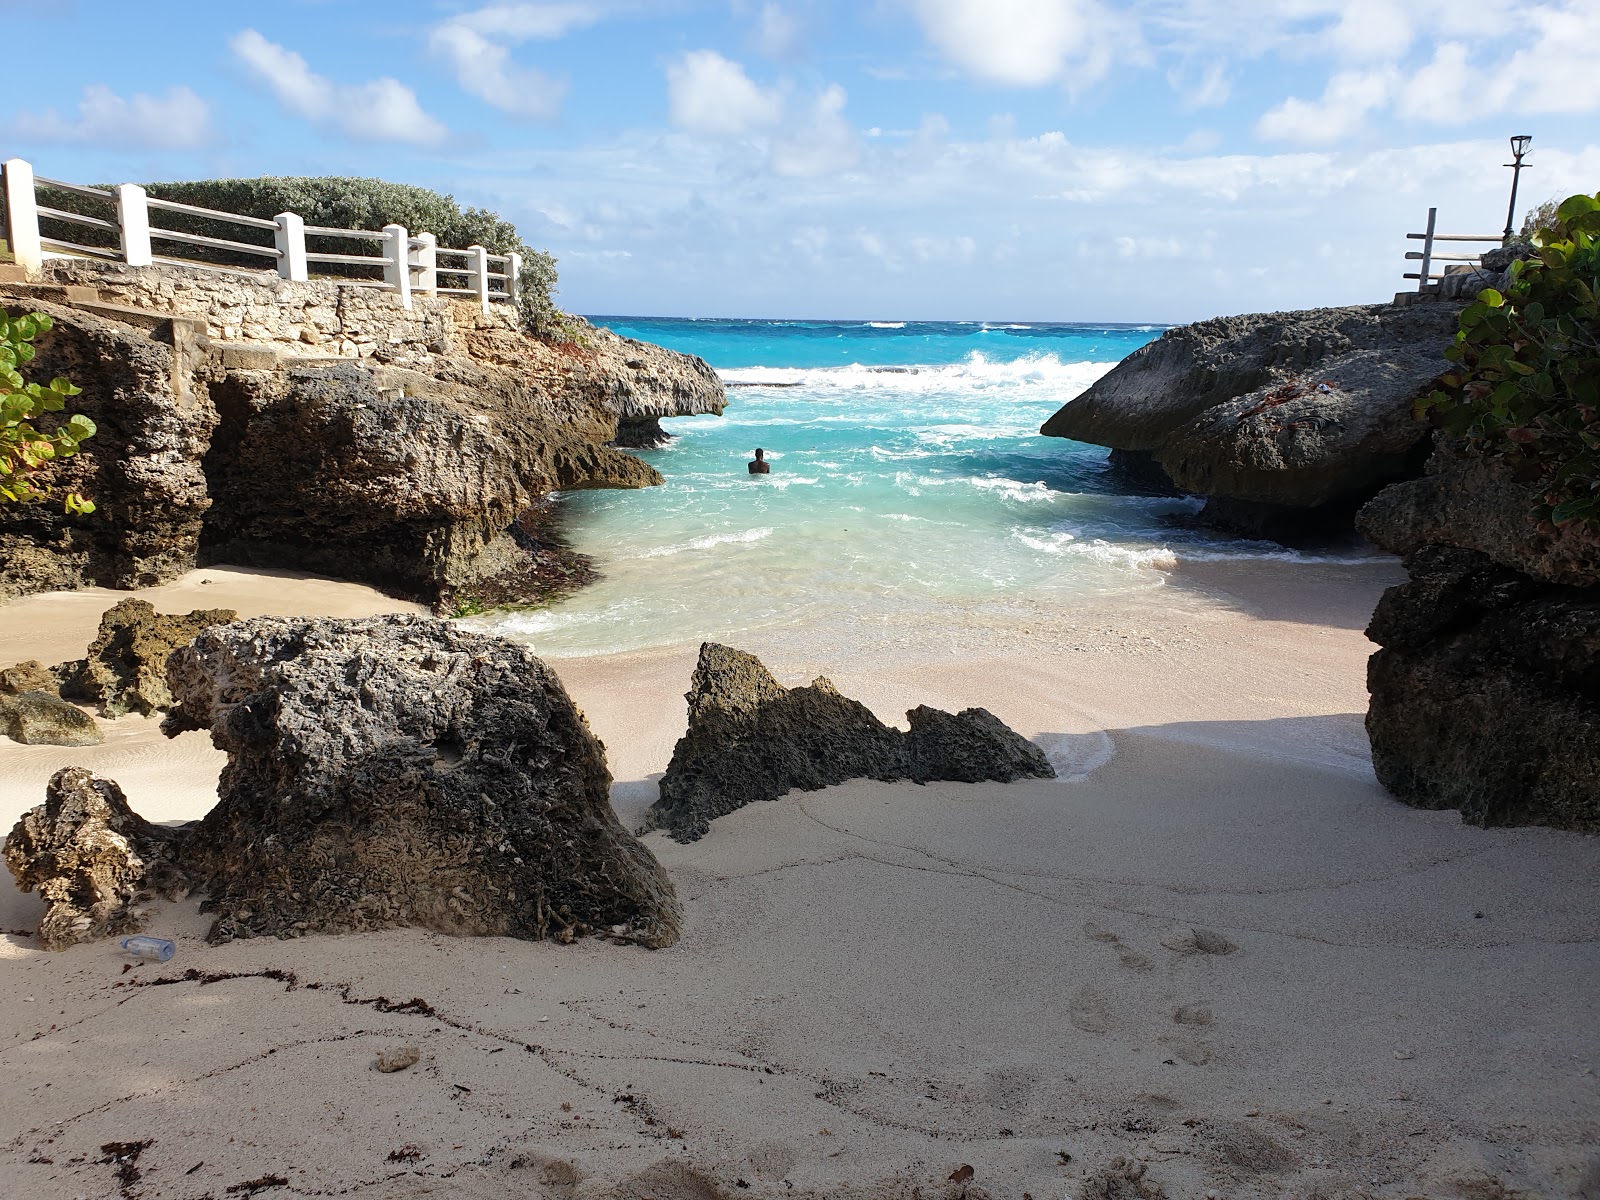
(707, 93)
(1027, 43)
(522, 22)
(1342, 111)
(179, 120)
(381, 110)
(824, 141)
(777, 31)
(484, 69)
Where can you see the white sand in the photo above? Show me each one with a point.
(881, 983)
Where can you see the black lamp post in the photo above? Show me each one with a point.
(1519, 147)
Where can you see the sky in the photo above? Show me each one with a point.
(1023, 160)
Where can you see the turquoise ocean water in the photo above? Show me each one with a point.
(910, 490)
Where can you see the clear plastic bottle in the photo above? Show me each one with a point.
(142, 945)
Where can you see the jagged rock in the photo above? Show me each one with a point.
(750, 738)
(45, 719)
(403, 771)
(1486, 693)
(126, 667)
(92, 859)
(1274, 415)
(1473, 503)
(30, 676)
(409, 463)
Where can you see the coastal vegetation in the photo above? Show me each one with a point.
(27, 451)
(1527, 384)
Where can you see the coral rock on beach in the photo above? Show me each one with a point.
(45, 719)
(1286, 421)
(750, 738)
(125, 669)
(402, 771)
(92, 859)
(1484, 694)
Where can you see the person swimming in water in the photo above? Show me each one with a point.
(759, 465)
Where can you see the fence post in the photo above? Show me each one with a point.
(290, 239)
(480, 275)
(397, 268)
(133, 225)
(1427, 252)
(426, 264)
(514, 278)
(22, 216)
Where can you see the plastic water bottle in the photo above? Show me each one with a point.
(143, 946)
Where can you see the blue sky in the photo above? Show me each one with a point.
(1159, 160)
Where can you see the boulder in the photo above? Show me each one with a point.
(30, 676)
(45, 719)
(126, 667)
(93, 860)
(1277, 416)
(1486, 693)
(402, 771)
(750, 738)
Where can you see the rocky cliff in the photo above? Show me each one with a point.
(1486, 689)
(1284, 421)
(321, 426)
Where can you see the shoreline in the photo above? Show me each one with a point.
(881, 983)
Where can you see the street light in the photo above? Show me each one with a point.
(1519, 147)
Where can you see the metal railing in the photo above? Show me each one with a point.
(408, 262)
(1428, 256)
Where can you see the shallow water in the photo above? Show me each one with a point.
(910, 489)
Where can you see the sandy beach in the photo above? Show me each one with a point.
(1212, 958)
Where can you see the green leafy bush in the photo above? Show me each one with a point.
(1527, 386)
(334, 202)
(26, 451)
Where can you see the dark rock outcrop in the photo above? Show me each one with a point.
(45, 719)
(1486, 693)
(125, 669)
(750, 738)
(402, 771)
(92, 859)
(1282, 418)
(323, 427)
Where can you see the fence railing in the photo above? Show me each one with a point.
(407, 262)
(1425, 275)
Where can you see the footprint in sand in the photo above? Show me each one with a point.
(1089, 1011)
(1188, 940)
(1130, 959)
(1192, 1014)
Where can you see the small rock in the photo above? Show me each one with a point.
(43, 719)
(1404, 1055)
(396, 1058)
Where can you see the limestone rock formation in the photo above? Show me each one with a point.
(1285, 420)
(750, 738)
(125, 669)
(402, 771)
(44, 719)
(1486, 693)
(30, 676)
(92, 859)
(321, 426)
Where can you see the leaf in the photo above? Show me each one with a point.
(962, 1173)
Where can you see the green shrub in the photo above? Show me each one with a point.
(1527, 386)
(1541, 221)
(26, 451)
(333, 202)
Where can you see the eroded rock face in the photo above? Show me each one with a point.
(45, 719)
(750, 738)
(325, 428)
(30, 676)
(125, 669)
(401, 771)
(1486, 693)
(1274, 415)
(92, 859)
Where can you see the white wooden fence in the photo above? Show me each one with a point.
(1429, 256)
(409, 262)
